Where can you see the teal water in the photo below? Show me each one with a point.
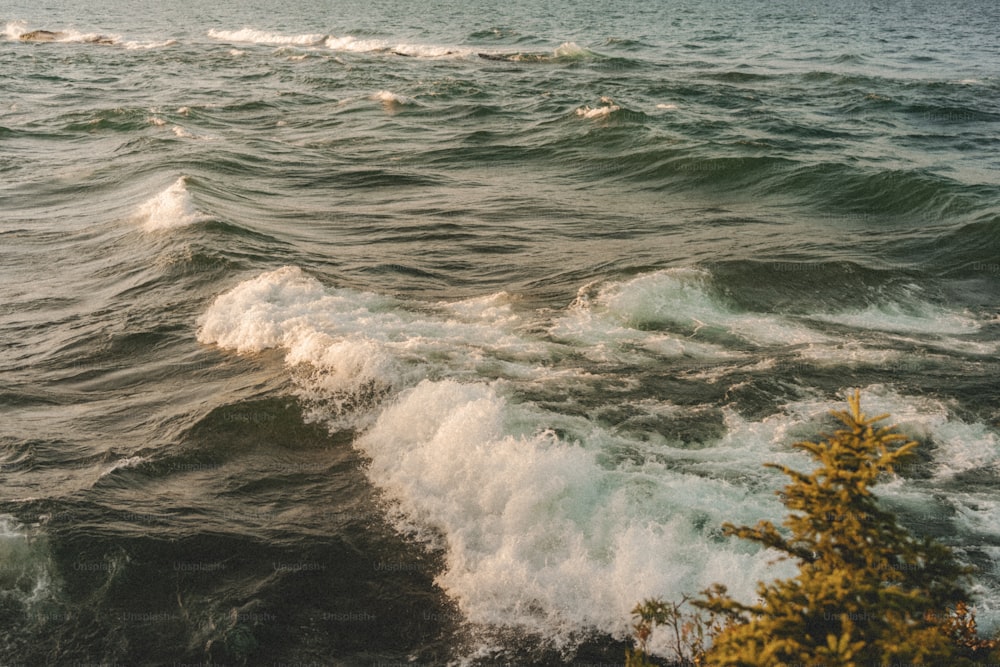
(363, 333)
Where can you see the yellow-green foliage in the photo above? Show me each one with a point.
(867, 591)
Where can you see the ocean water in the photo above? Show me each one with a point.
(379, 333)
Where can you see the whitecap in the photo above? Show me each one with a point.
(539, 534)
(353, 44)
(348, 43)
(145, 46)
(683, 298)
(13, 30)
(392, 102)
(571, 50)
(914, 317)
(170, 209)
(351, 348)
(252, 36)
(123, 464)
(598, 112)
(551, 522)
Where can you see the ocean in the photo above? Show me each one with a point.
(383, 333)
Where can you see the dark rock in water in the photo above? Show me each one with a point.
(41, 36)
(516, 57)
(50, 36)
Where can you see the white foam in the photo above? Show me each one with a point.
(958, 446)
(682, 298)
(123, 464)
(391, 101)
(916, 317)
(353, 44)
(348, 43)
(280, 307)
(539, 534)
(850, 352)
(145, 46)
(557, 534)
(668, 107)
(356, 344)
(170, 209)
(252, 36)
(598, 112)
(494, 309)
(604, 337)
(570, 50)
(13, 30)
(430, 51)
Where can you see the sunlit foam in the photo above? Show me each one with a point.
(358, 345)
(571, 50)
(123, 464)
(597, 112)
(251, 36)
(539, 534)
(549, 521)
(916, 318)
(392, 102)
(683, 298)
(14, 29)
(170, 209)
(348, 43)
(145, 46)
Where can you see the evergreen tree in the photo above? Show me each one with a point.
(867, 592)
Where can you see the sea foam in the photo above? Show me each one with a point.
(539, 534)
(252, 36)
(683, 298)
(550, 521)
(170, 209)
(356, 345)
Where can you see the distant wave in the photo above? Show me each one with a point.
(252, 36)
(565, 52)
(347, 43)
(19, 31)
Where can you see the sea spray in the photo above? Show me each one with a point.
(170, 209)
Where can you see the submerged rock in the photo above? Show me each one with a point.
(41, 36)
(52, 36)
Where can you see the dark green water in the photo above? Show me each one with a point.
(372, 333)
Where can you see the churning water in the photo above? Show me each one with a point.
(374, 333)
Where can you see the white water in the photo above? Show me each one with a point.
(252, 36)
(170, 208)
(551, 522)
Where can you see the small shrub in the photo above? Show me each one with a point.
(690, 632)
